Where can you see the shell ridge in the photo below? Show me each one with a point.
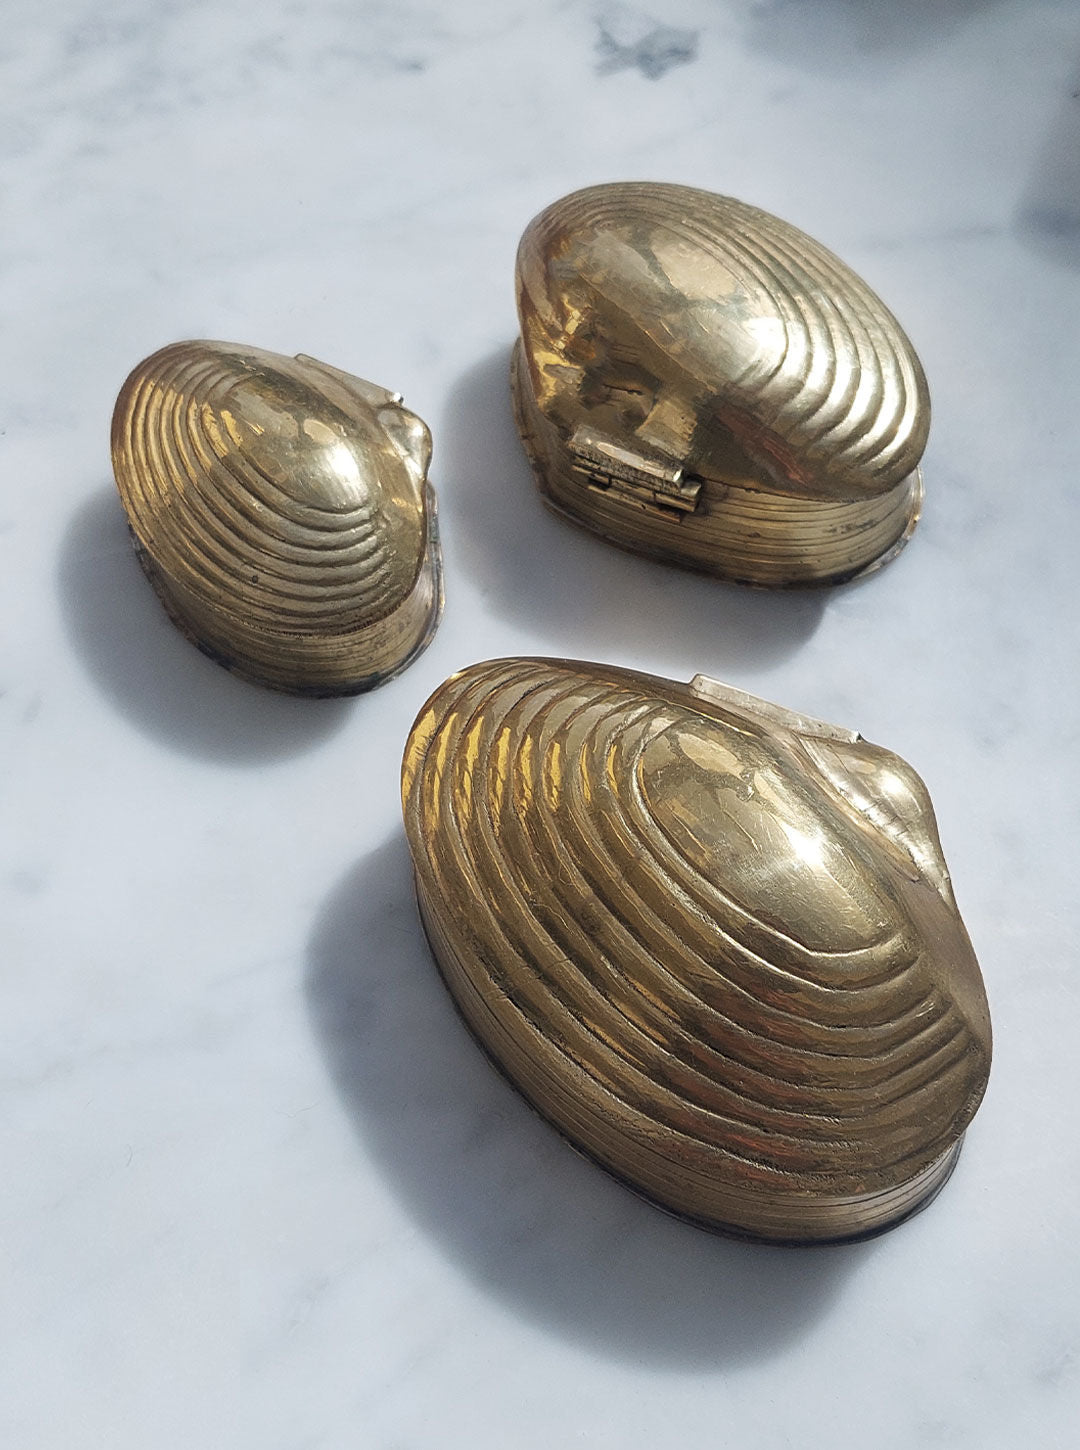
(595, 1068)
(706, 901)
(206, 558)
(879, 434)
(869, 1031)
(255, 479)
(780, 286)
(211, 546)
(842, 416)
(125, 428)
(460, 871)
(783, 311)
(224, 510)
(791, 301)
(712, 893)
(909, 1014)
(364, 564)
(625, 1082)
(616, 867)
(835, 394)
(677, 985)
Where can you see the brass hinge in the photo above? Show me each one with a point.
(634, 478)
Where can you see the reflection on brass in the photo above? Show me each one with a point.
(702, 382)
(282, 512)
(713, 941)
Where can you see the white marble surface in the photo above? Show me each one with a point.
(259, 1189)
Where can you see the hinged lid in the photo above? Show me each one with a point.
(641, 480)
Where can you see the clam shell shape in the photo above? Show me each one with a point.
(702, 382)
(714, 942)
(282, 513)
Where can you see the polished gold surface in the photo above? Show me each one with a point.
(702, 382)
(282, 512)
(713, 941)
